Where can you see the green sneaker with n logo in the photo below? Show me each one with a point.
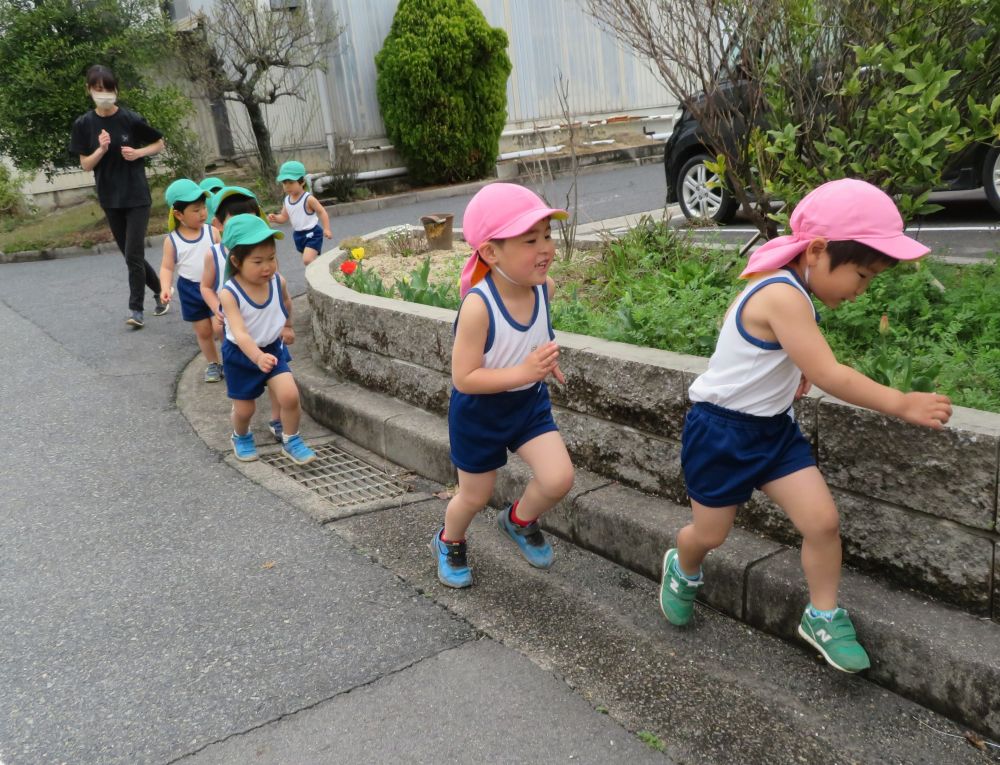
(836, 640)
(677, 593)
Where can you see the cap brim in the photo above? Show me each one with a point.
(899, 247)
(774, 254)
(526, 220)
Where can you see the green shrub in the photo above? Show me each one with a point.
(12, 201)
(441, 86)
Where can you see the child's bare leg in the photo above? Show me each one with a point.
(285, 394)
(806, 499)
(242, 413)
(551, 475)
(275, 406)
(203, 331)
(309, 255)
(474, 491)
(709, 528)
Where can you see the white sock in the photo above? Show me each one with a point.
(286, 437)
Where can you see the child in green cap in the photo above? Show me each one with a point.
(258, 313)
(310, 222)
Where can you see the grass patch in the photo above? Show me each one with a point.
(651, 740)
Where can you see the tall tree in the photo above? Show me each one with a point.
(245, 52)
(46, 47)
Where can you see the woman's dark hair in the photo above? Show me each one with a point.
(850, 251)
(240, 252)
(236, 204)
(101, 75)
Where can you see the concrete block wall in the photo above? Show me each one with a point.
(918, 507)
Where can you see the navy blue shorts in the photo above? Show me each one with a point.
(311, 238)
(244, 380)
(727, 454)
(193, 305)
(482, 428)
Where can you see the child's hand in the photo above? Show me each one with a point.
(804, 387)
(327, 233)
(541, 362)
(165, 295)
(931, 410)
(266, 362)
(287, 335)
(272, 218)
(557, 373)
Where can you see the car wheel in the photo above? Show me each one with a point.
(701, 193)
(991, 177)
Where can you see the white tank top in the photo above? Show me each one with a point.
(220, 255)
(298, 214)
(189, 254)
(264, 320)
(747, 374)
(507, 342)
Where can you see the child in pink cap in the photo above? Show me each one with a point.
(740, 433)
(503, 352)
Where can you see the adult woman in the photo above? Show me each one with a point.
(113, 142)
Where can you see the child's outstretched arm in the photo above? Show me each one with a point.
(167, 264)
(794, 324)
(264, 361)
(279, 217)
(467, 372)
(317, 207)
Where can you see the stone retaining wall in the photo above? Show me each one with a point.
(917, 506)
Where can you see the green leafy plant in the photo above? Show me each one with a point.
(651, 740)
(417, 288)
(357, 278)
(404, 241)
(12, 201)
(442, 89)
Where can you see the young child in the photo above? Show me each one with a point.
(310, 222)
(740, 433)
(503, 352)
(258, 311)
(223, 205)
(184, 249)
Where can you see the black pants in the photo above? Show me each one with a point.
(128, 225)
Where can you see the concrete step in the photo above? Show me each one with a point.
(716, 691)
(941, 657)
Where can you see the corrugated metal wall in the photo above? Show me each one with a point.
(546, 37)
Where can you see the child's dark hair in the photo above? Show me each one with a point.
(101, 75)
(240, 252)
(236, 204)
(180, 205)
(850, 251)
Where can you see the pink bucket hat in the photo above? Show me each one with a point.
(499, 211)
(842, 210)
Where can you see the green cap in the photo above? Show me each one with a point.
(211, 185)
(181, 190)
(247, 229)
(216, 199)
(291, 171)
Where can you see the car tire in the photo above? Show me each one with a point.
(991, 178)
(700, 195)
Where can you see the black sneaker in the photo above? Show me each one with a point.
(135, 320)
(161, 307)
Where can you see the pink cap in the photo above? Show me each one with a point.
(842, 210)
(499, 211)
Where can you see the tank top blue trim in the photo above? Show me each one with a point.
(177, 233)
(491, 331)
(288, 199)
(259, 306)
(548, 310)
(503, 308)
(768, 345)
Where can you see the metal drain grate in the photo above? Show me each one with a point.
(340, 478)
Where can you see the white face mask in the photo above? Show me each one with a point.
(103, 100)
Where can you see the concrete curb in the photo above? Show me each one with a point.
(938, 656)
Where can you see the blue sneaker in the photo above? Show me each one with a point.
(529, 540)
(135, 319)
(244, 447)
(213, 372)
(275, 427)
(297, 451)
(452, 566)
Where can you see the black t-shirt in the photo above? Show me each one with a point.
(120, 183)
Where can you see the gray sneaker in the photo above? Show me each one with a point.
(161, 307)
(213, 372)
(135, 320)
